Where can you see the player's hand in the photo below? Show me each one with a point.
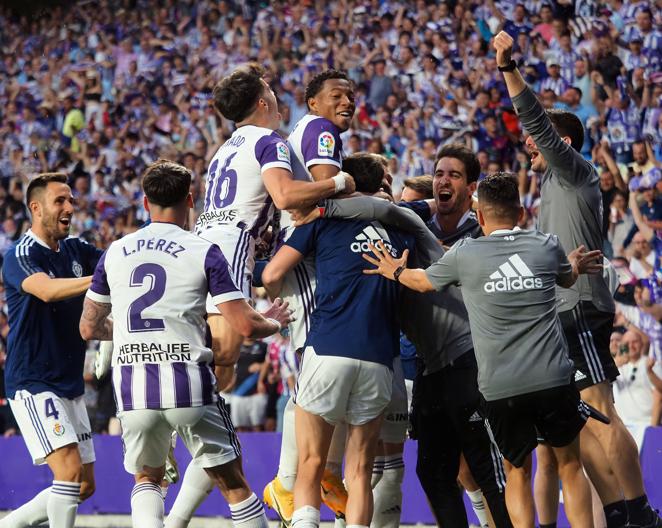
(305, 216)
(586, 262)
(280, 311)
(103, 359)
(386, 264)
(261, 387)
(503, 45)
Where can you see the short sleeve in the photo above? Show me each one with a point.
(303, 238)
(99, 290)
(272, 152)
(20, 264)
(445, 271)
(219, 278)
(321, 144)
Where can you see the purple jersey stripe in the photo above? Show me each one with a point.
(262, 221)
(207, 384)
(126, 390)
(182, 385)
(152, 386)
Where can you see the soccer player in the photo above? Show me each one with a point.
(351, 383)
(508, 283)
(249, 177)
(155, 282)
(317, 156)
(571, 207)
(45, 275)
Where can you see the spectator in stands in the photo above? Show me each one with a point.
(248, 403)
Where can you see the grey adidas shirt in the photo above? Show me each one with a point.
(437, 323)
(570, 201)
(508, 282)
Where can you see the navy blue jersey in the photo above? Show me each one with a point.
(420, 207)
(356, 315)
(45, 351)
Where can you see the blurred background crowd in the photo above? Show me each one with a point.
(99, 89)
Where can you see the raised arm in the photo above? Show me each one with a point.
(565, 161)
(288, 193)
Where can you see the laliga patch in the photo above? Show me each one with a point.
(58, 429)
(326, 144)
(282, 152)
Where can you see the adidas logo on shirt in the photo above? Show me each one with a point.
(513, 275)
(370, 235)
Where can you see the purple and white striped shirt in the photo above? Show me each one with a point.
(157, 280)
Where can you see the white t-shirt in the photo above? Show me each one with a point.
(637, 268)
(633, 393)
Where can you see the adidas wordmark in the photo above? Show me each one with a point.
(513, 275)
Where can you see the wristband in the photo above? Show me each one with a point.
(280, 326)
(508, 67)
(398, 271)
(322, 211)
(339, 182)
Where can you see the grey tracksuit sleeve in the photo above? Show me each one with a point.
(571, 202)
(428, 249)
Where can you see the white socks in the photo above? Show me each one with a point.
(31, 513)
(289, 456)
(387, 494)
(62, 503)
(377, 470)
(306, 517)
(249, 513)
(147, 506)
(478, 506)
(196, 486)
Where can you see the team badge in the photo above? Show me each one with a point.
(77, 269)
(58, 429)
(326, 144)
(282, 152)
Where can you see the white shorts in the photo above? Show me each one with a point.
(343, 389)
(396, 416)
(299, 290)
(206, 431)
(249, 411)
(48, 422)
(238, 248)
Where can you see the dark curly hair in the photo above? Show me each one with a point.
(498, 196)
(315, 85)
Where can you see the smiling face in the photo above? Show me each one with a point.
(335, 102)
(452, 193)
(52, 210)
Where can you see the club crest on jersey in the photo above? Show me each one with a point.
(282, 152)
(58, 429)
(77, 269)
(326, 144)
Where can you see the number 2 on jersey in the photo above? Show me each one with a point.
(157, 277)
(223, 186)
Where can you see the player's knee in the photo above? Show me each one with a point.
(228, 477)
(546, 462)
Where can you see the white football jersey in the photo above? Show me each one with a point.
(235, 190)
(314, 141)
(157, 280)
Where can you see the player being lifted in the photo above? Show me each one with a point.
(45, 275)
(249, 177)
(156, 282)
(316, 150)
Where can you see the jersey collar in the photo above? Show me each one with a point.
(39, 241)
(505, 231)
(462, 220)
